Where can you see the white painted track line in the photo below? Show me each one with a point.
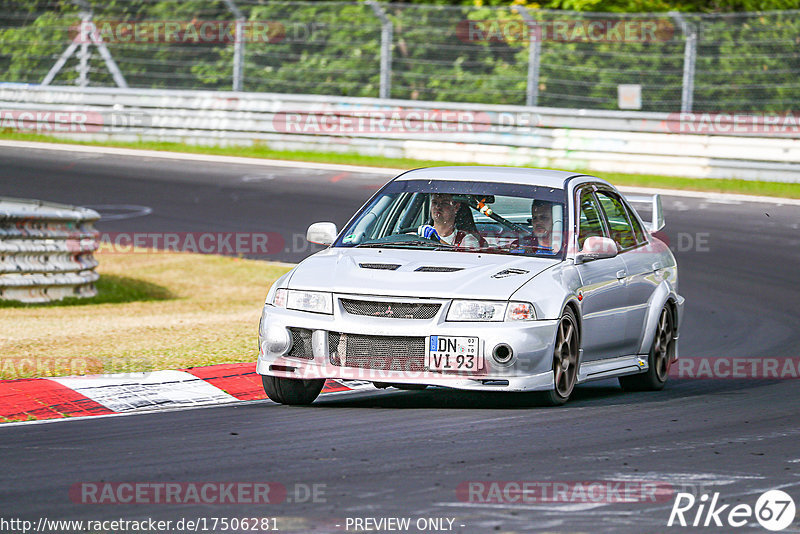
(210, 158)
(114, 151)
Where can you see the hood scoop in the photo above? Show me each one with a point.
(436, 269)
(505, 273)
(380, 266)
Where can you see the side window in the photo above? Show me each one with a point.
(411, 215)
(637, 226)
(589, 222)
(617, 218)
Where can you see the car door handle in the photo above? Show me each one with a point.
(621, 274)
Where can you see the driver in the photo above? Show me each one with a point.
(443, 211)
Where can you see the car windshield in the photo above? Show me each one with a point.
(461, 216)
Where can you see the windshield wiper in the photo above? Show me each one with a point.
(390, 244)
(515, 249)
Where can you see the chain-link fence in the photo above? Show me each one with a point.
(508, 55)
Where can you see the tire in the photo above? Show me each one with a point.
(661, 354)
(292, 391)
(565, 360)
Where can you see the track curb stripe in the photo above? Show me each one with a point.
(79, 396)
(40, 398)
(237, 379)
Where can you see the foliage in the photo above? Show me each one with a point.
(745, 62)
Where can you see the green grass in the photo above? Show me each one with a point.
(746, 187)
(111, 289)
(181, 310)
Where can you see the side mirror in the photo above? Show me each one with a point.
(596, 248)
(322, 233)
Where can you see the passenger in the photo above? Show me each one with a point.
(452, 223)
(541, 236)
(542, 222)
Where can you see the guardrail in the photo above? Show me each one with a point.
(46, 251)
(693, 145)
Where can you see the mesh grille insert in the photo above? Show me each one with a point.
(391, 310)
(301, 344)
(387, 353)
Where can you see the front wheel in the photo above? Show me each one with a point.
(565, 360)
(292, 391)
(661, 354)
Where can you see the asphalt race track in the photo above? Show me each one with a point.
(404, 454)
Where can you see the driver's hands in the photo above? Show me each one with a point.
(429, 232)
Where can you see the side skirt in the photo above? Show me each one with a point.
(612, 367)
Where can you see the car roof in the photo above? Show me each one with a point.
(517, 175)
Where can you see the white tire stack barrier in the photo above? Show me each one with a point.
(46, 251)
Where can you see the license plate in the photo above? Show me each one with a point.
(447, 353)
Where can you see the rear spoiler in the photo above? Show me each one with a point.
(656, 221)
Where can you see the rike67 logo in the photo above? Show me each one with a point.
(774, 510)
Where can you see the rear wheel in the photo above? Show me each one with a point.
(661, 354)
(292, 391)
(565, 360)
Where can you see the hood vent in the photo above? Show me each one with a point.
(505, 273)
(380, 266)
(435, 269)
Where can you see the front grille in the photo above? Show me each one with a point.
(437, 269)
(385, 353)
(301, 344)
(391, 310)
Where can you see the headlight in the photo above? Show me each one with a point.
(310, 301)
(279, 298)
(520, 311)
(476, 310)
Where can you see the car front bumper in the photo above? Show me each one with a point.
(529, 369)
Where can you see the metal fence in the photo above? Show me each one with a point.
(494, 55)
(736, 146)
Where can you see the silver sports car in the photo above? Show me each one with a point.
(478, 278)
